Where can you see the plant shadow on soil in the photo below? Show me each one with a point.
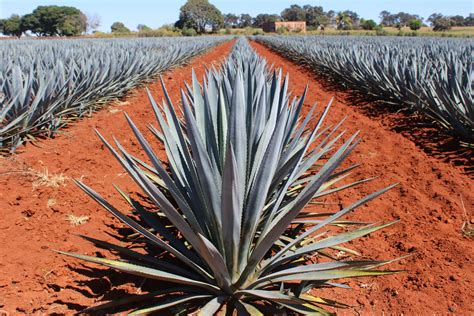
(110, 286)
(107, 285)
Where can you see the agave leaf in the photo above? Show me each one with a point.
(328, 275)
(140, 257)
(232, 200)
(307, 309)
(247, 309)
(144, 271)
(212, 307)
(128, 300)
(325, 266)
(169, 303)
(273, 296)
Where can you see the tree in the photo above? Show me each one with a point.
(315, 16)
(386, 18)
(55, 20)
(143, 28)
(398, 20)
(331, 15)
(201, 16)
(11, 26)
(73, 25)
(231, 20)
(458, 20)
(245, 20)
(415, 24)
(442, 24)
(346, 20)
(469, 21)
(368, 24)
(119, 27)
(294, 13)
(93, 22)
(264, 18)
(434, 17)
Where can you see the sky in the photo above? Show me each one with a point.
(159, 12)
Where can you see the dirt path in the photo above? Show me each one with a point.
(439, 276)
(34, 217)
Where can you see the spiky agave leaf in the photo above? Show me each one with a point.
(241, 166)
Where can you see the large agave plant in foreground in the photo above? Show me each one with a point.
(228, 225)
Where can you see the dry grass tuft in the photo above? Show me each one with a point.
(114, 110)
(77, 220)
(44, 178)
(50, 203)
(467, 229)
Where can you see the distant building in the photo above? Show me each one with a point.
(292, 26)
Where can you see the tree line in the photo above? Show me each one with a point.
(200, 16)
(50, 20)
(317, 18)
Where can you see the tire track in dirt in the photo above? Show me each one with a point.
(35, 220)
(439, 276)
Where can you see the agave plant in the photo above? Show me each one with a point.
(228, 224)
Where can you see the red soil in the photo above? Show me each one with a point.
(427, 202)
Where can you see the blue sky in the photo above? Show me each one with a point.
(158, 12)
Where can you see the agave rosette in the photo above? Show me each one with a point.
(242, 163)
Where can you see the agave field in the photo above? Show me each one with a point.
(45, 84)
(429, 75)
(234, 184)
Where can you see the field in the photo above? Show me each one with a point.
(224, 186)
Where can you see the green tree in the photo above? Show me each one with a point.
(458, 20)
(143, 28)
(11, 26)
(294, 13)
(119, 27)
(264, 18)
(344, 21)
(201, 16)
(231, 20)
(55, 20)
(415, 24)
(442, 24)
(245, 20)
(368, 24)
(315, 16)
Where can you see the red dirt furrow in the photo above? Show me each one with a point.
(34, 217)
(438, 277)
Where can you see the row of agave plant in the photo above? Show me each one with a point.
(428, 75)
(228, 230)
(45, 84)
